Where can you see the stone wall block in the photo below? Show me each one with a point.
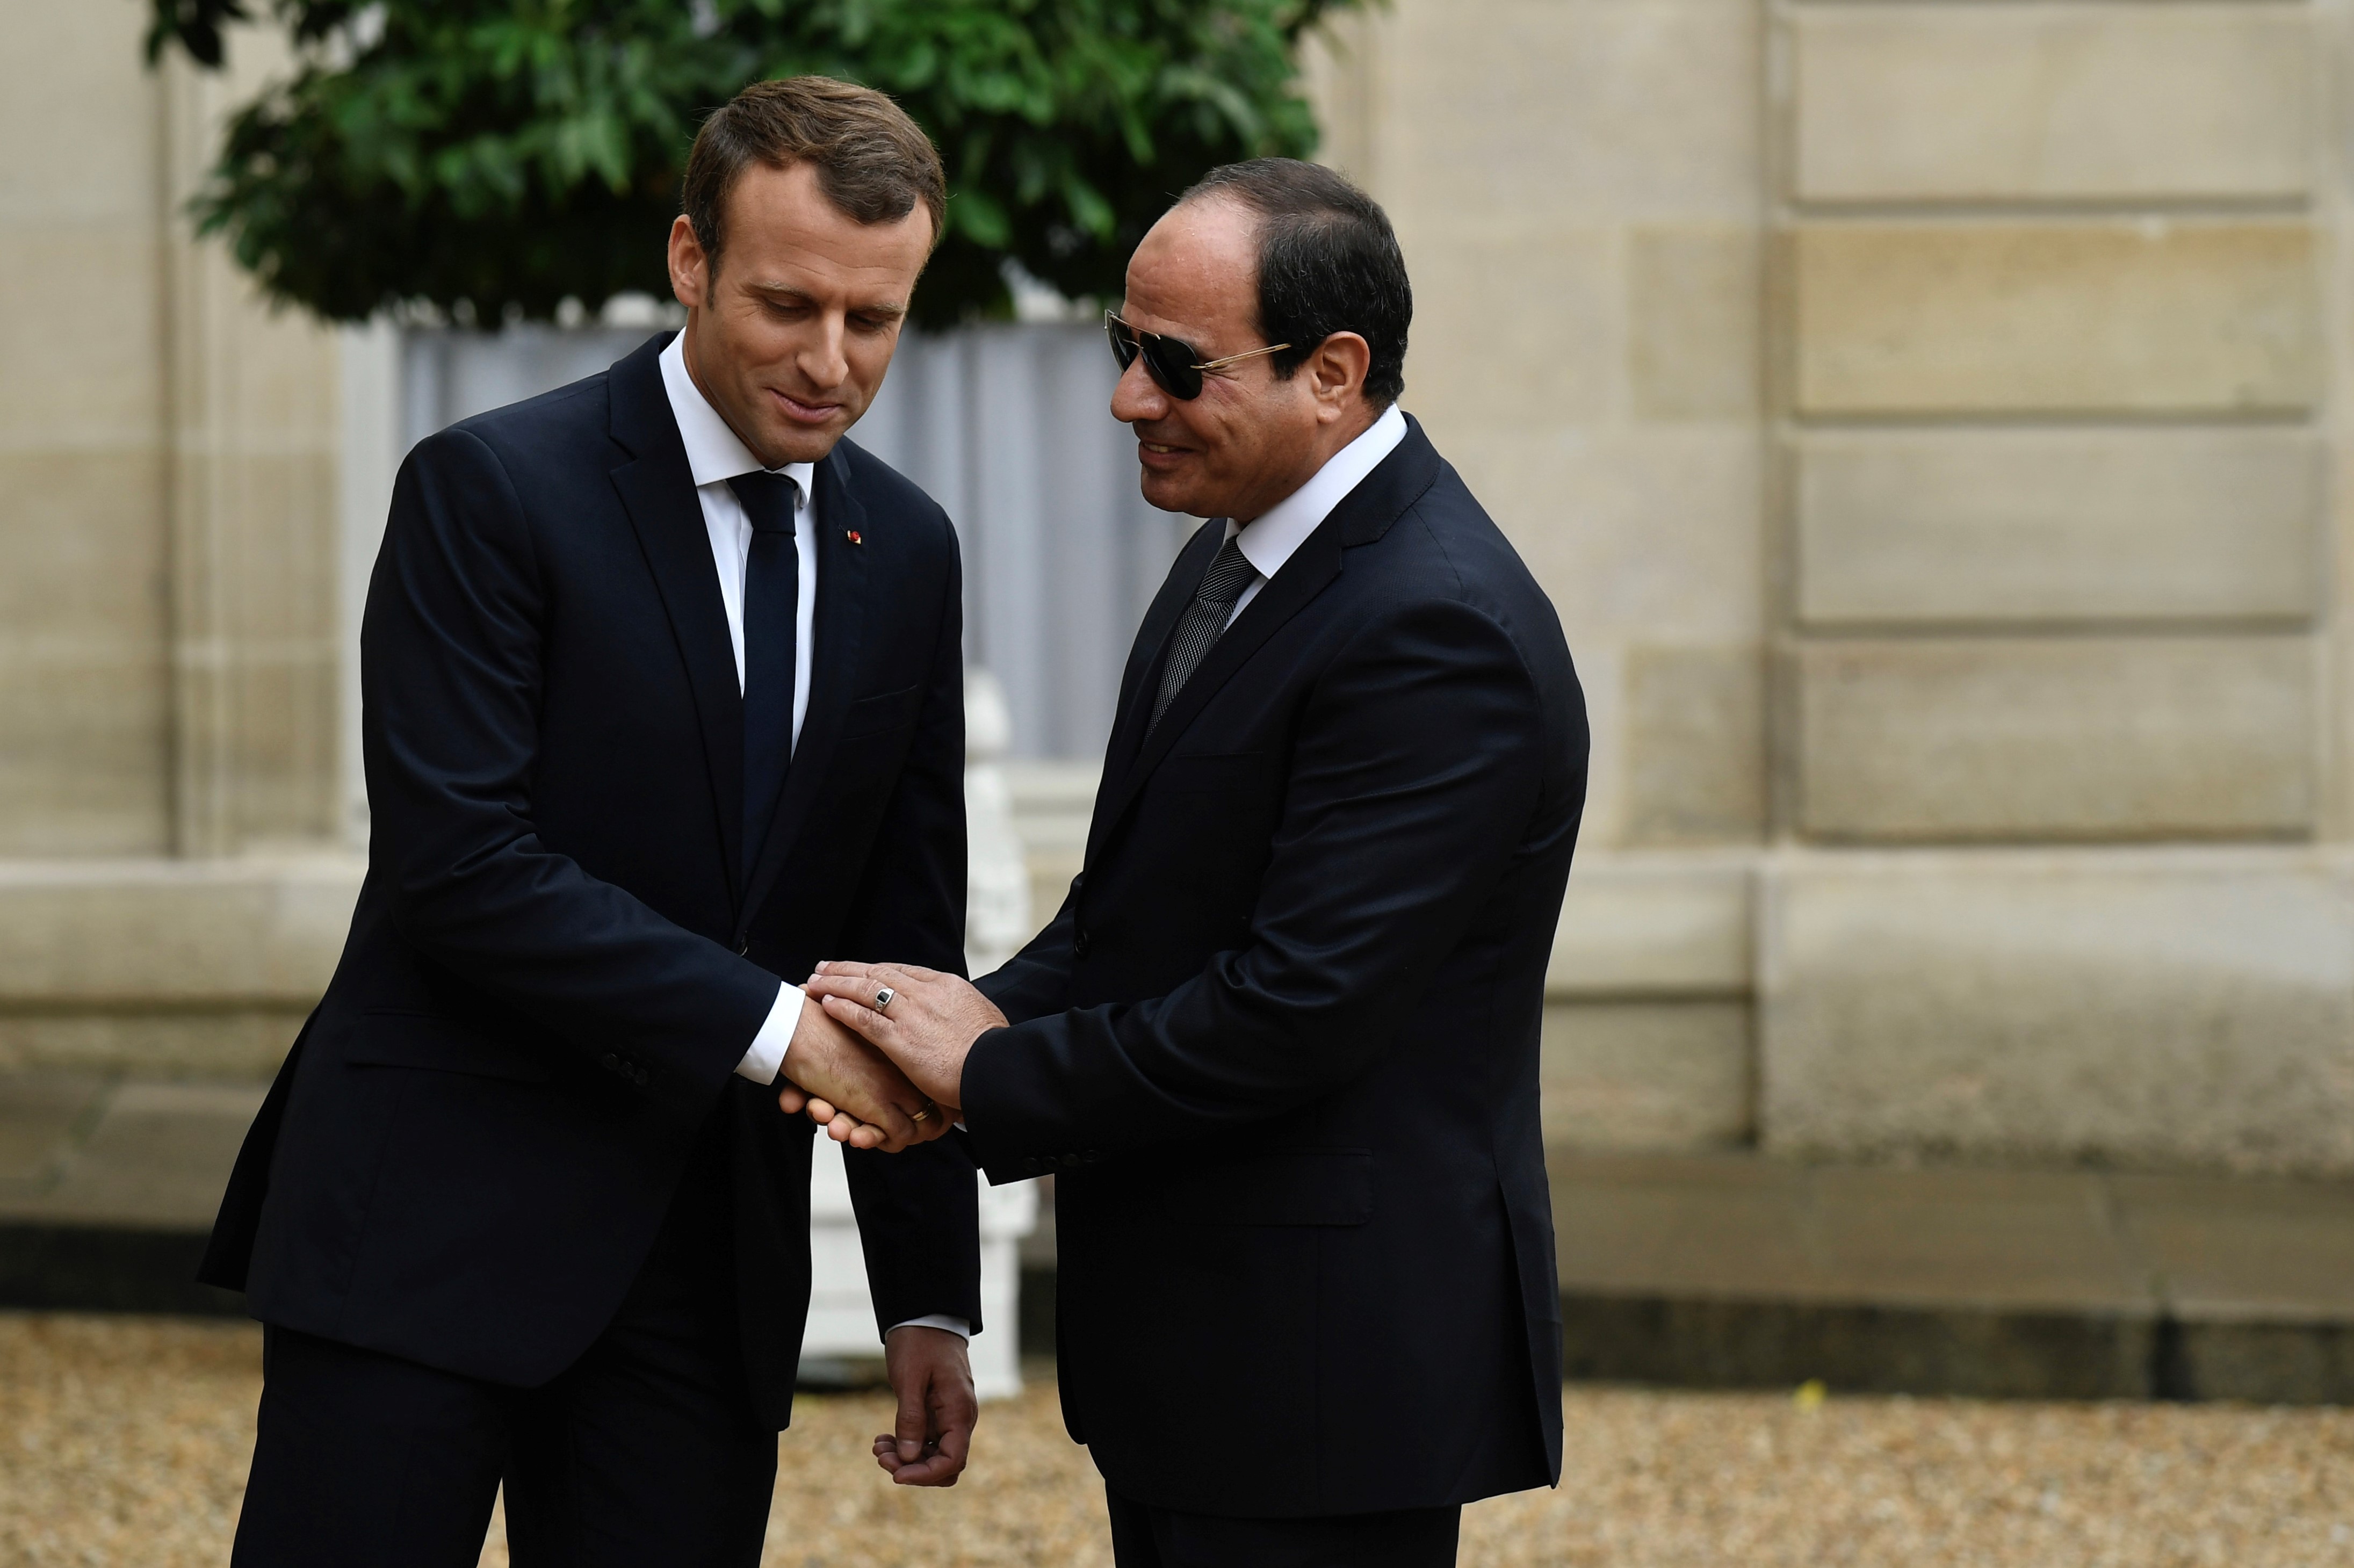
(1694, 313)
(83, 551)
(2079, 738)
(2025, 526)
(82, 658)
(128, 935)
(2162, 1009)
(176, 1042)
(2153, 316)
(1646, 109)
(77, 118)
(285, 756)
(1638, 532)
(83, 765)
(2051, 103)
(1695, 723)
(79, 377)
(1651, 927)
(1646, 1076)
(1552, 354)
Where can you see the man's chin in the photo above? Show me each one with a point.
(1169, 493)
(805, 443)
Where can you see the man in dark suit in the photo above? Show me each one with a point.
(1280, 1043)
(663, 701)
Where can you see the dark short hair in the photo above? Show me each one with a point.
(871, 160)
(1328, 262)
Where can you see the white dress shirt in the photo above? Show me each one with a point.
(716, 454)
(1269, 540)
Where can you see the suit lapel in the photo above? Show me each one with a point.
(1362, 515)
(839, 629)
(1144, 658)
(657, 489)
(1316, 562)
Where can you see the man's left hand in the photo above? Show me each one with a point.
(932, 1375)
(927, 1028)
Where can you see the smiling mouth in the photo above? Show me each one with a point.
(807, 413)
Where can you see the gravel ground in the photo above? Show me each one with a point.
(123, 1441)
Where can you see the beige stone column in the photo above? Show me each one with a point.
(252, 505)
(1578, 190)
(85, 709)
(169, 899)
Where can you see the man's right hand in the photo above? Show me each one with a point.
(827, 1062)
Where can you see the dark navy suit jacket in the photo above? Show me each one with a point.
(1282, 1041)
(556, 962)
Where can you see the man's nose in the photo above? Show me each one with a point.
(822, 360)
(1138, 398)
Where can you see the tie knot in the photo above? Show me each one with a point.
(1230, 572)
(769, 500)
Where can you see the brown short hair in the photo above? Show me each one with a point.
(871, 160)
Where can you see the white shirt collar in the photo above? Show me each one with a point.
(715, 454)
(1270, 539)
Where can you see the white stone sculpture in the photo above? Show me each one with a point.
(997, 922)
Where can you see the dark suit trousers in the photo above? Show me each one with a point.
(646, 1450)
(1144, 1536)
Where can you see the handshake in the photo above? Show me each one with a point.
(877, 1058)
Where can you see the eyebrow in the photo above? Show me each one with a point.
(802, 296)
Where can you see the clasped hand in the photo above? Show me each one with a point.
(922, 1033)
(869, 1103)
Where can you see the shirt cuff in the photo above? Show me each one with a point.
(957, 1326)
(762, 1063)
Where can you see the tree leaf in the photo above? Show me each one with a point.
(487, 156)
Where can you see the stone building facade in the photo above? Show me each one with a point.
(169, 584)
(1929, 419)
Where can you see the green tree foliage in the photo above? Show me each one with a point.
(496, 157)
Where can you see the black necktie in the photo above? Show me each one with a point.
(773, 576)
(1203, 622)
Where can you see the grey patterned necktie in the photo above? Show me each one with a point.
(1203, 622)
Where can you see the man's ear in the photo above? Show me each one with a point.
(690, 268)
(1336, 374)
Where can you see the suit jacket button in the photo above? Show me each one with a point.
(1079, 942)
(1031, 1165)
(744, 948)
(612, 1064)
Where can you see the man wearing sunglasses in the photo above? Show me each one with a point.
(1280, 1043)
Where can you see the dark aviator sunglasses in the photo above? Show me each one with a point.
(1174, 365)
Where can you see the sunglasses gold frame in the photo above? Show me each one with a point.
(1113, 318)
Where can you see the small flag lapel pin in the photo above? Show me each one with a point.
(851, 534)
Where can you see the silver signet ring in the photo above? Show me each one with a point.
(883, 998)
